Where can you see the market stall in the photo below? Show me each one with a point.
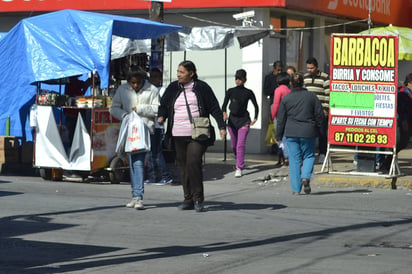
(55, 46)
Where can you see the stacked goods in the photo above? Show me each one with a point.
(51, 98)
(89, 102)
(81, 102)
(94, 102)
(9, 149)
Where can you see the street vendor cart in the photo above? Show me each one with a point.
(90, 150)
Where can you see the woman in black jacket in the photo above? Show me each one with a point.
(186, 94)
(300, 119)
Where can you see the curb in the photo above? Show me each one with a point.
(362, 181)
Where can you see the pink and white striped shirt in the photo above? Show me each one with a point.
(181, 124)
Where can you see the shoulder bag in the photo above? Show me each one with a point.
(200, 125)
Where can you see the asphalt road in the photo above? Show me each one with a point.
(250, 226)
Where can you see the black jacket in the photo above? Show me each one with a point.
(239, 97)
(300, 114)
(269, 85)
(206, 99)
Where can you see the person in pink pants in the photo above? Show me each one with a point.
(239, 120)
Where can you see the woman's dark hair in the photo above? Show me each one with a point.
(136, 72)
(408, 79)
(283, 78)
(190, 67)
(297, 80)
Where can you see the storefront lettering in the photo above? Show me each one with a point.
(379, 6)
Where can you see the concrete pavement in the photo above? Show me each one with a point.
(251, 224)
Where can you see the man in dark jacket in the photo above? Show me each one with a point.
(270, 83)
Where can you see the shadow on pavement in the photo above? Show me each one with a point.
(18, 255)
(217, 171)
(341, 192)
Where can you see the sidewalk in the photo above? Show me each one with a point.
(341, 162)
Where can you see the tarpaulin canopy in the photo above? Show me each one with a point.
(193, 39)
(213, 37)
(56, 45)
(404, 35)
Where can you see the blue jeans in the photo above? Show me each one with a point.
(155, 158)
(301, 160)
(136, 164)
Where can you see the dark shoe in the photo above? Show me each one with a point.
(286, 162)
(199, 206)
(281, 159)
(186, 206)
(306, 186)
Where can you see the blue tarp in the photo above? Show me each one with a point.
(56, 45)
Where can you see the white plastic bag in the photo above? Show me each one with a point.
(134, 134)
(122, 135)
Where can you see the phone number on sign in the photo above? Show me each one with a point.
(359, 138)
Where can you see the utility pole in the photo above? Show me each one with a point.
(369, 16)
(157, 49)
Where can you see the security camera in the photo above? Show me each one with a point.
(244, 15)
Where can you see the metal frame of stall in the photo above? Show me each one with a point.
(393, 173)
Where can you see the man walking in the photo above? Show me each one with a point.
(318, 82)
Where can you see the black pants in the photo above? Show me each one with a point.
(323, 139)
(189, 160)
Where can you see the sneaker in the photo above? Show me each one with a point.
(164, 181)
(238, 173)
(132, 203)
(306, 186)
(139, 205)
(321, 158)
(147, 182)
